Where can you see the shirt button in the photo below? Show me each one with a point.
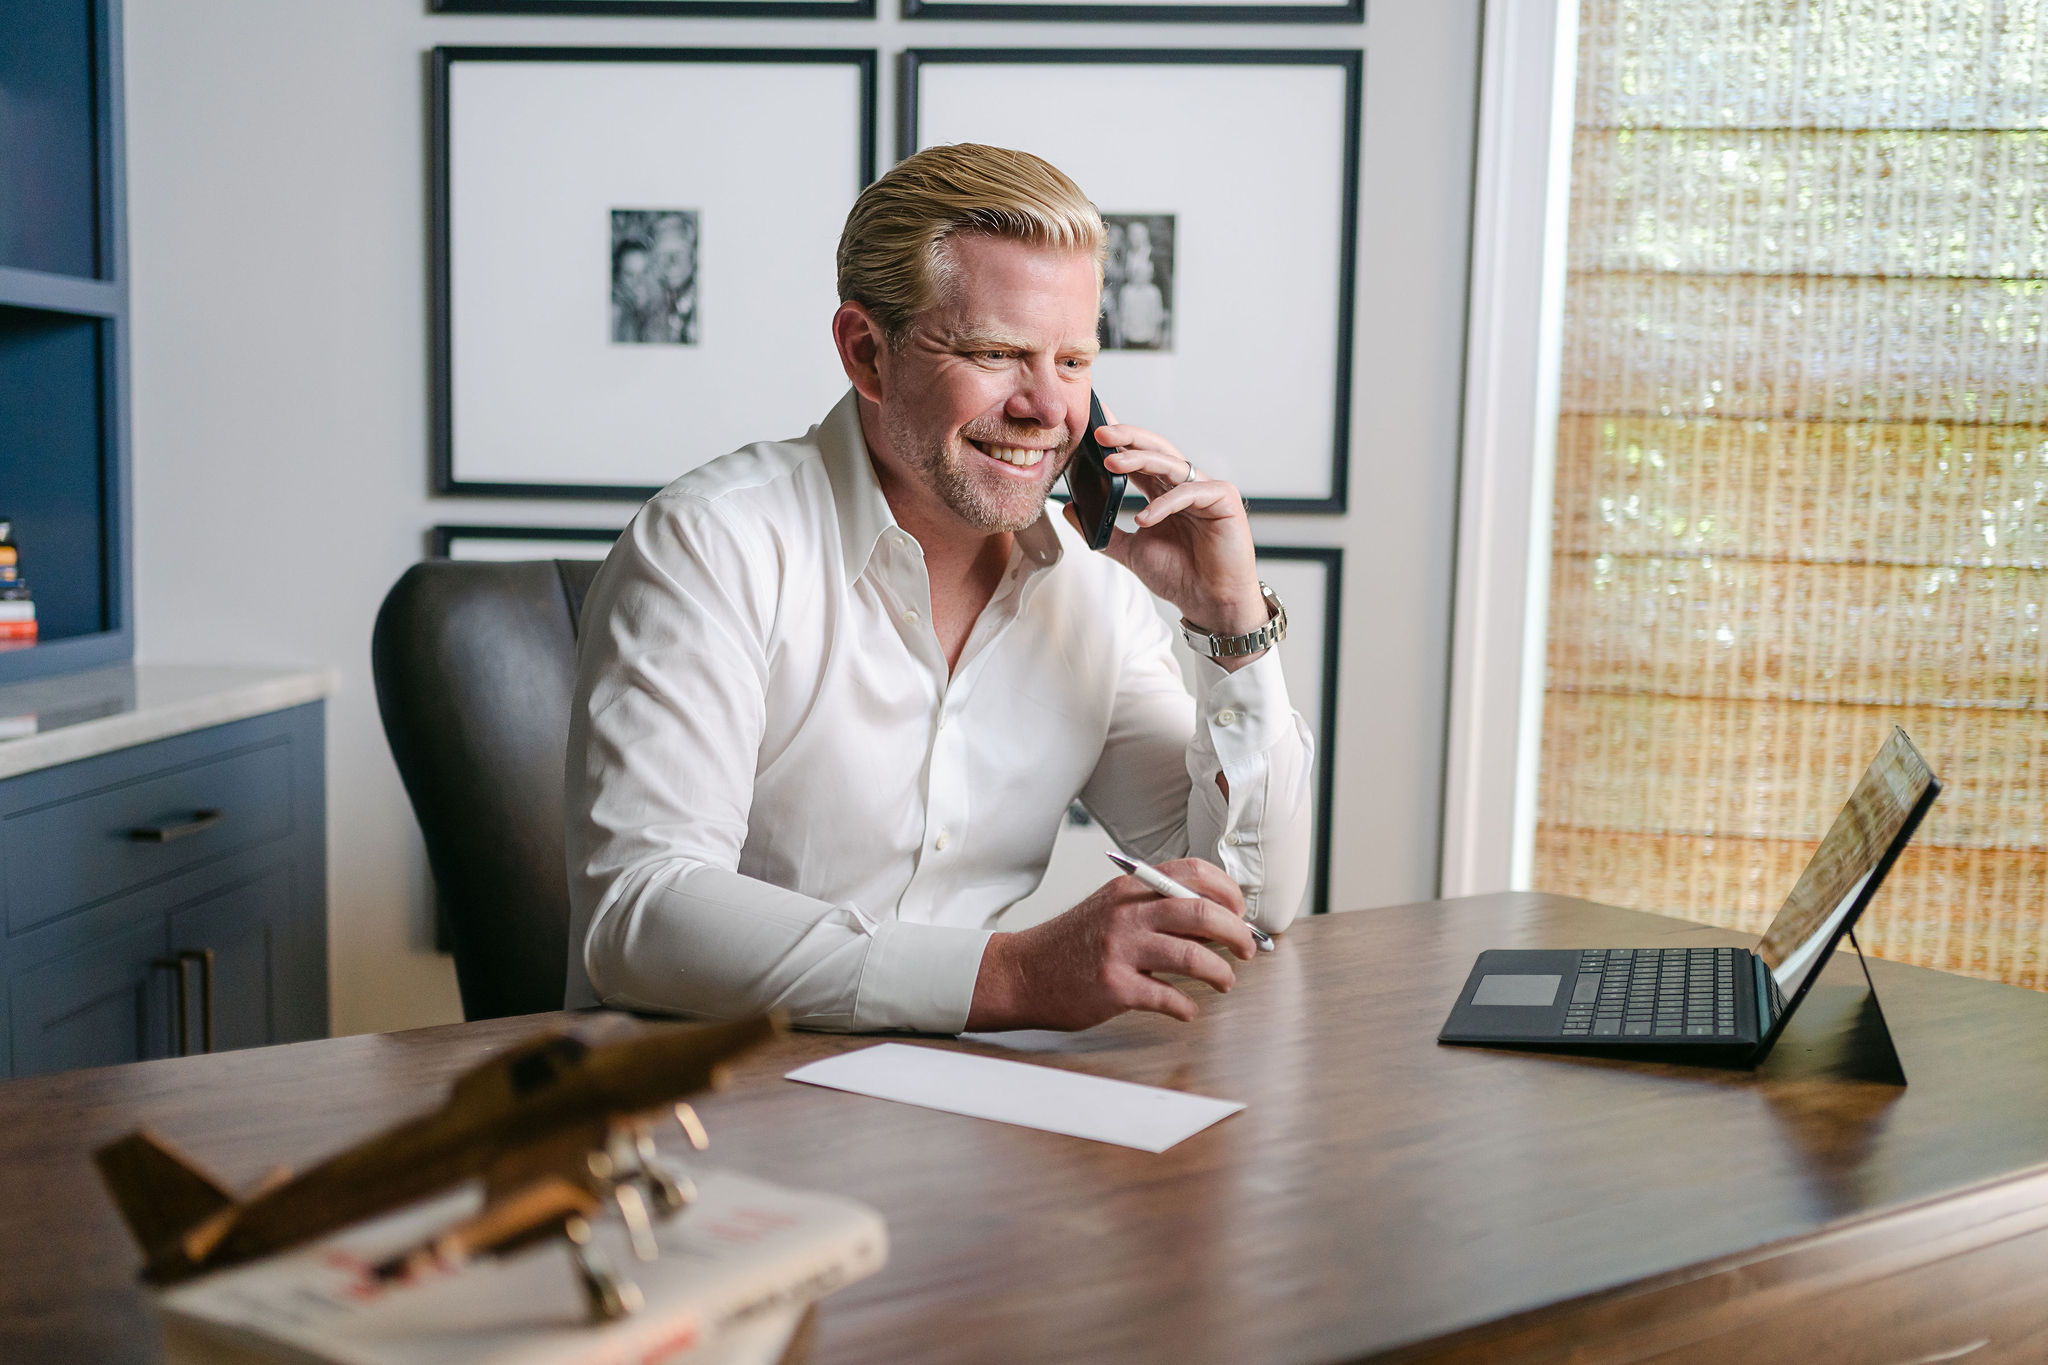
(902, 541)
(910, 616)
(1226, 717)
(1233, 838)
(940, 842)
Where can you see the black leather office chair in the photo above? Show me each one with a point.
(476, 666)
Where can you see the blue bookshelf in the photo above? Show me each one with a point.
(64, 330)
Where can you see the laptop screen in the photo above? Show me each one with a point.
(1849, 859)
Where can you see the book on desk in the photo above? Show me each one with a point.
(737, 1270)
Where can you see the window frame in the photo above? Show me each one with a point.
(1514, 341)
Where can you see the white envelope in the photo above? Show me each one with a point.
(1140, 1116)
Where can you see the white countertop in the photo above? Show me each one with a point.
(80, 715)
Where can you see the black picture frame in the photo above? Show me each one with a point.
(441, 539)
(441, 60)
(1351, 61)
(1329, 558)
(694, 9)
(1053, 12)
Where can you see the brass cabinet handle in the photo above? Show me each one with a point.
(204, 957)
(177, 965)
(165, 833)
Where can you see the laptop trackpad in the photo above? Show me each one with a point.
(1517, 990)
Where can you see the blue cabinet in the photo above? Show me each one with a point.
(102, 1004)
(165, 897)
(64, 468)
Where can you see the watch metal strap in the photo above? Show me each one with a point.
(1235, 646)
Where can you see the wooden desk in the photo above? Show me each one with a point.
(1381, 1197)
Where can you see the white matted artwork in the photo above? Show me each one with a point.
(1308, 582)
(701, 9)
(1143, 11)
(625, 288)
(503, 544)
(1228, 180)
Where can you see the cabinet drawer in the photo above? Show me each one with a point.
(1982, 1307)
(100, 986)
(95, 1007)
(71, 853)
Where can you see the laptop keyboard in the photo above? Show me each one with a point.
(1654, 992)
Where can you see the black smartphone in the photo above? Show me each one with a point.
(1096, 492)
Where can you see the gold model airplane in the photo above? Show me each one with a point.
(555, 1128)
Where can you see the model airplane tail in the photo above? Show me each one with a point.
(555, 1128)
(163, 1195)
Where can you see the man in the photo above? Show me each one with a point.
(836, 693)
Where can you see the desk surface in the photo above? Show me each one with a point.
(1380, 1190)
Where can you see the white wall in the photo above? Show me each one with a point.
(277, 220)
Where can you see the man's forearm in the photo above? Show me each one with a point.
(714, 943)
(998, 987)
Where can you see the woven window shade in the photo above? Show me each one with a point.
(1802, 462)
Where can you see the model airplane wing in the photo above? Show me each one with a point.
(555, 1128)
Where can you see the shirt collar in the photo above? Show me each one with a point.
(1040, 541)
(863, 512)
(857, 500)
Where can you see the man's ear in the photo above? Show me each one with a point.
(862, 349)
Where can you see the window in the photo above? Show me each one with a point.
(1802, 461)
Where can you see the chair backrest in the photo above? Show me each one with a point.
(476, 666)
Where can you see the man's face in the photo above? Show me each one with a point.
(674, 255)
(984, 399)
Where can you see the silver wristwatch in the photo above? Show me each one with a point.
(1234, 646)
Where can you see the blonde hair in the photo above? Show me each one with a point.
(893, 257)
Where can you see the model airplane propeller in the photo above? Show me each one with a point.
(556, 1129)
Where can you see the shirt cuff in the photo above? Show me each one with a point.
(1244, 713)
(920, 977)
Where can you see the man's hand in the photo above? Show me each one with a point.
(1193, 545)
(1101, 957)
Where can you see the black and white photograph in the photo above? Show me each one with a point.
(654, 276)
(1137, 283)
(616, 303)
(1228, 180)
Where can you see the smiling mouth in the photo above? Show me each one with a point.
(1022, 457)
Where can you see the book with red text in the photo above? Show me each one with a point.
(742, 1252)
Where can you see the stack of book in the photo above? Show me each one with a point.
(738, 1270)
(17, 608)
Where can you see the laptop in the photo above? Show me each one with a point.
(1714, 1006)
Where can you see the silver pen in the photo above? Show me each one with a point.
(1161, 884)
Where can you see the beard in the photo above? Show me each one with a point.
(988, 501)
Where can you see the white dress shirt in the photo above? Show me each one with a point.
(779, 799)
